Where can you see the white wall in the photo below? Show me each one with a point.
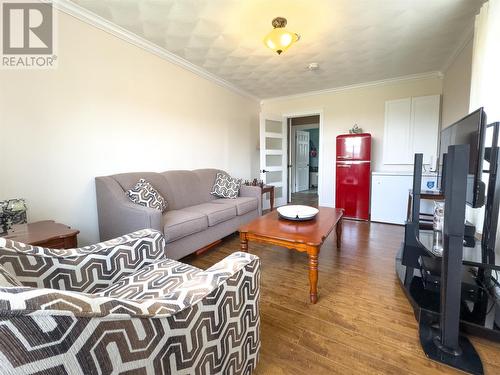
(111, 107)
(456, 99)
(456, 87)
(364, 106)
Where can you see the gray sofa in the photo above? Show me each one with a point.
(194, 218)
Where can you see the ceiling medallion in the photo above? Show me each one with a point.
(280, 39)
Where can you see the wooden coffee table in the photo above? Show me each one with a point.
(304, 236)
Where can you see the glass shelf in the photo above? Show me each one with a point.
(472, 256)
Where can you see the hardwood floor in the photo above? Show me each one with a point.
(362, 323)
(307, 197)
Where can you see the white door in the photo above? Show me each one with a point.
(301, 160)
(273, 157)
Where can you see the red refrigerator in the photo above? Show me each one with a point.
(353, 166)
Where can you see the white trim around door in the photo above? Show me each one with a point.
(314, 112)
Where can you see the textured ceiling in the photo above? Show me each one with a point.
(354, 41)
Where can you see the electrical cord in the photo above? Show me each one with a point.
(485, 288)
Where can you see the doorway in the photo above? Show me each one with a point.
(303, 159)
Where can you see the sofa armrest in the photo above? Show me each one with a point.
(252, 191)
(85, 269)
(117, 215)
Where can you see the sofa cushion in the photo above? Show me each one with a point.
(185, 189)
(144, 194)
(243, 204)
(180, 223)
(206, 178)
(216, 212)
(153, 281)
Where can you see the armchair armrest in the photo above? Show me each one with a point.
(86, 269)
(118, 215)
(238, 276)
(226, 275)
(252, 191)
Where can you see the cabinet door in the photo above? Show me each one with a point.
(397, 132)
(425, 126)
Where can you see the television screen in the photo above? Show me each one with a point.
(468, 131)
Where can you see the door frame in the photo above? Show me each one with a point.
(321, 154)
(293, 151)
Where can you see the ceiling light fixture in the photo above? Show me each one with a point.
(280, 39)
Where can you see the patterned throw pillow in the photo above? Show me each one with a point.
(146, 195)
(226, 186)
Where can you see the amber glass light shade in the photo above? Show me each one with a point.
(280, 39)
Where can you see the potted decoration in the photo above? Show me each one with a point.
(12, 211)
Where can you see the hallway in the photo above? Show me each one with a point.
(306, 198)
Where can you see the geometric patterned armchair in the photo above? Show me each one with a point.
(121, 306)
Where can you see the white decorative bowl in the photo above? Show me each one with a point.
(297, 212)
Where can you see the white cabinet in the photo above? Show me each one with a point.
(389, 199)
(397, 131)
(411, 126)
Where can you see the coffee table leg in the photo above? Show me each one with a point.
(313, 273)
(243, 242)
(338, 229)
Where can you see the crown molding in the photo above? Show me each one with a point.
(383, 82)
(467, 36)
(101, 23)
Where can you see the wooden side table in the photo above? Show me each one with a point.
(45, 233)
(269, 189)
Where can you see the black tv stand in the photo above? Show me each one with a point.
(426, 277)
(440, 338)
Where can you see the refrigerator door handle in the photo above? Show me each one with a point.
(351, 162)
(343, 165)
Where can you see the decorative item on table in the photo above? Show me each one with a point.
(3, 222)
(297, 212)
(254, 182)
(355, 130)
(12, 211)
(437, 226)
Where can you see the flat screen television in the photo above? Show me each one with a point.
(470, 130)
